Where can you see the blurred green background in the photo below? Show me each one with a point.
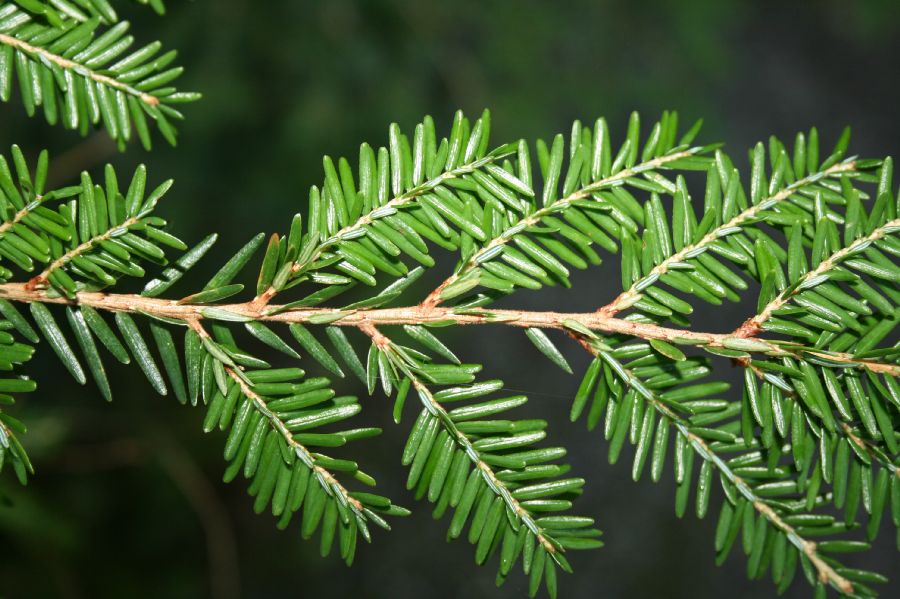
(127, 500)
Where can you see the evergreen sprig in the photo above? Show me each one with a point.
(814, 429)
(56, 11)
(484, 468)
(13, 353)
(74, 59)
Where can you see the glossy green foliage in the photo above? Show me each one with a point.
(83, 237)
(13, 353)
(455, 193)
(586, 206)
(813, 431)
(465, 455)
(56, 11)
(808, 421)
(279, 423)
(75, 61)
(280, 426)
(381, 219)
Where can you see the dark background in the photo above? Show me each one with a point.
(127, 499)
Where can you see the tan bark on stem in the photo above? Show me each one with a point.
(65, 63)
(418, 315)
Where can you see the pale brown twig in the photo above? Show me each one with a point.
(414, 315)
(82, 70)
